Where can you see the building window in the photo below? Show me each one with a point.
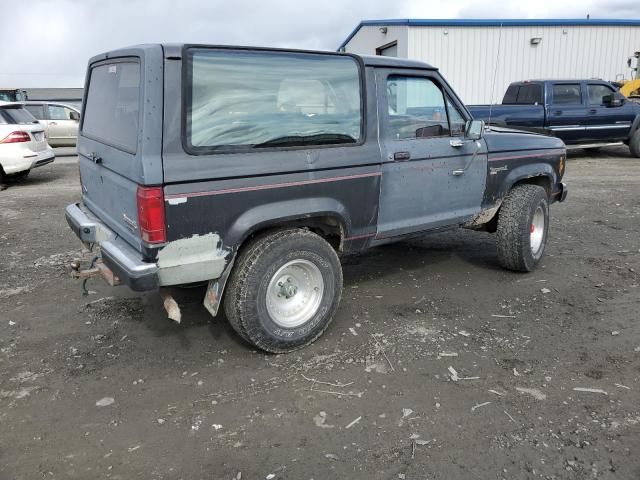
(388, 50)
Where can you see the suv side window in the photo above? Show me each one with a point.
(597, 91)
(567, 94)
(239, 100)
(416, 108)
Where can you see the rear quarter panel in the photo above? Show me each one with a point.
(235, 194)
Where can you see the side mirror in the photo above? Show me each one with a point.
(475, 129)
(74, 116)
(615, 99)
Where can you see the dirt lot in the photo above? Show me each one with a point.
(191, 401)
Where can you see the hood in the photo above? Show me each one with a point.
(506, 139)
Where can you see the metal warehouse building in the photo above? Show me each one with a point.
(470, 53)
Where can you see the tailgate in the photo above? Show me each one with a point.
(115, 154)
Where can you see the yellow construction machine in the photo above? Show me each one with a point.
(631, 88)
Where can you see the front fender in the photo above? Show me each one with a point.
(524, 172)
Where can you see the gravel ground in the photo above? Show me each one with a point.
(439, 364)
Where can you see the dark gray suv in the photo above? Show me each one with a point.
(254, 169)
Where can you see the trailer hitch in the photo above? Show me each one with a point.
(96, 268)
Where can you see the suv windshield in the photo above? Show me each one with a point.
(239, 99)
(111, 114)
(17, 116)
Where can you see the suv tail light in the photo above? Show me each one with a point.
(16, 137)
(151, 214)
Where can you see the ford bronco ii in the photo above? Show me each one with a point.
(254, 169)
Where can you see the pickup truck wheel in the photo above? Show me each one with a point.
(634, 144)
(523, 224)
(284, 290)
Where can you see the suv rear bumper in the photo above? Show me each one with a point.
(125, 262)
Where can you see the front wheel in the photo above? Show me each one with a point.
(284, 290)
(523, 225)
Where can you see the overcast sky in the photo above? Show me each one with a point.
(46, 43)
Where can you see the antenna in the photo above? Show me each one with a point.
(495, 74)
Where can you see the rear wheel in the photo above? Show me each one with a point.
(634, 144)
(23, 174)
(284, 290)
(523, 225)
(3, 179)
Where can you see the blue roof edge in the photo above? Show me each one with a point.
(493, 22)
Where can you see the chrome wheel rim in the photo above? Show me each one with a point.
(537, 230)
(294, 293)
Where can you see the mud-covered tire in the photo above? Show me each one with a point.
(518, 248)
(253, 298)
(634, 144)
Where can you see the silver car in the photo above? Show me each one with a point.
(60, 121)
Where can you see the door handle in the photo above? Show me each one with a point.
(401, 156)
(457, 173)
(558, 112)
(456, 142)
(593, 110)
(95, 158)
(53, 123)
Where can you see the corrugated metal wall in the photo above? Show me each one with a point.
(467, 55)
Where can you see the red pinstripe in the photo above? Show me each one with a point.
(550, 152)
(270, 186)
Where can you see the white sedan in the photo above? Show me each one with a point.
(23, 145)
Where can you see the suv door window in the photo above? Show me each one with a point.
(416, 108)
(596, 92)
(566, 94)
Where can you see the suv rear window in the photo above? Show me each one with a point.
(111, 113)
(16, 116)
(246, 100)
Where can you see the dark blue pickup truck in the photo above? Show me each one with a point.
(580, 112)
